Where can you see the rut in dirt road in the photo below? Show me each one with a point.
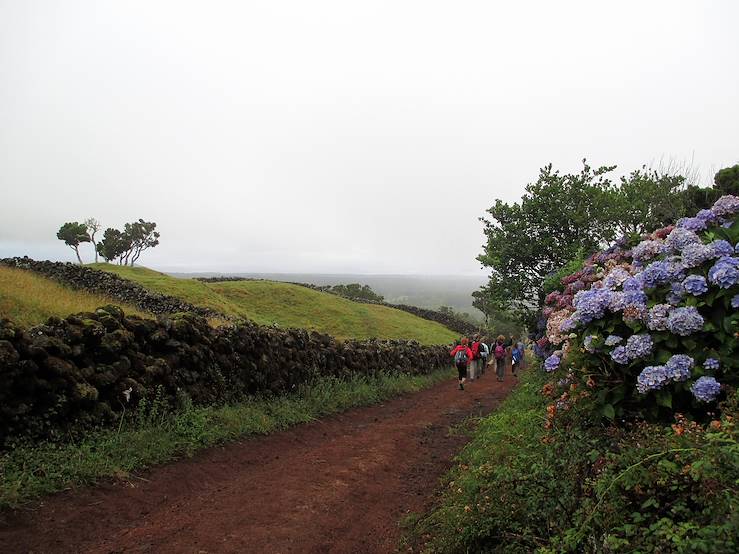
(338, 485)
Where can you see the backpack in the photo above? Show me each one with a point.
(476, 351)
(499, 351)
(460, 357)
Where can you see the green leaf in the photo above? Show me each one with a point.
(608, 411)
(664, 398)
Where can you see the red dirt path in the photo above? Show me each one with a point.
(339, 485)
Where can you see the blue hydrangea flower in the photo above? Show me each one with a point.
(691, 223)
(711, 363)
(551, 363)
(720, 248)
(619, 355)
(725, 272)
(695, 285)
(726, 205)
(569, 324)
(706, 389)
(684, 321)
(735, 301)
(680, 238)
(679, 366)
(656, 273)
(613, 340)
(591, 304)
(615, 278)
(694, 255)
(675, 296)
(639, 346)
(706, 215)
(633, 283)
(657, 317)
(652, 378)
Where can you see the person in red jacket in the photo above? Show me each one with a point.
(462, 358)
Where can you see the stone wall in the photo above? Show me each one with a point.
(76, 373)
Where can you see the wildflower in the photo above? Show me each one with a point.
(706, 389)
(711, 363)
(551, 363)
(639, 346)
(695, 284)
(684, 321)
(725, 272)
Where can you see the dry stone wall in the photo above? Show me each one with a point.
(81, 372)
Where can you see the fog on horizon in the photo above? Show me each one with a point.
(336, 137)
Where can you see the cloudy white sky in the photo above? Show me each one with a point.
(363, 137)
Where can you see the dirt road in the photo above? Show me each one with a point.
(339, 485)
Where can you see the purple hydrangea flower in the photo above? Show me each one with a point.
(679, 366)
(691, 223)
(735, 301)
(551, 363)
(591, 304)
(619, 355)
(706, 389)
(657, 317)
(679, 238)
(633, 283)
(613, 340)
(639, 346)
(647, 249)
(711, 363)
(615, 278)
(684, 321)
(656, 273)
(695, 285)
(725, 272)
(706, 215)
(726, 205)
(694, 255)
(652, 378)
(720, 248)
(569, 324)
(675, 296)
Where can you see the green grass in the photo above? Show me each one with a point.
(30, 299)
(268, 302)
(155, 435)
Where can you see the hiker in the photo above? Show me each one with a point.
(500, 355)
(516, 357)
(484, 353)
(474, 365)
(462, 359)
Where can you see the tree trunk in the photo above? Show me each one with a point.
(77, 251)
(95, 246)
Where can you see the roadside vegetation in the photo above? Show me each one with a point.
(156, 433)
(30, 299)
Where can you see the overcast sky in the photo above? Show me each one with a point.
(361, 137)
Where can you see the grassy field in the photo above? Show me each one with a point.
(268, 302)
(30, 299)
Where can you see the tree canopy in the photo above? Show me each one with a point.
(73, 233)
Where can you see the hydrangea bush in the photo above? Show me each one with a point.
(652, 323)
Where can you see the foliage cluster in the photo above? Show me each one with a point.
(354, 291)
(655, 323)
(570, 483)
(561, 216)
(159, 431)
(126, 246)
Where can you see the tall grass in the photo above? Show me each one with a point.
(268, 302)
(154, 434)
(30, 299)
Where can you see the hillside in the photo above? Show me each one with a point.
(287, 305)
(30, 299)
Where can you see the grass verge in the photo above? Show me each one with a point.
(154, 435)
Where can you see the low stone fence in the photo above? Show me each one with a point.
(81, 372)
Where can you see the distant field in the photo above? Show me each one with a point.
(268, 302)
(29, 299)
